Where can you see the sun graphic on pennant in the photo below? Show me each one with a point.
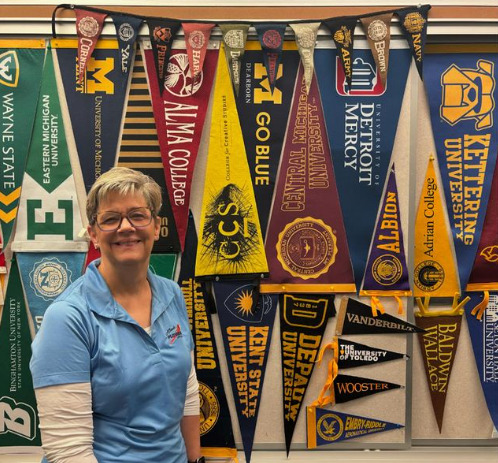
(244, 303)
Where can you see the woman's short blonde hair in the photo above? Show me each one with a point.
(123, 181)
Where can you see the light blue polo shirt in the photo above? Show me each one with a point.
(138, 381)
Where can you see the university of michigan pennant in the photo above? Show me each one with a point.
(362, 126)
(246, 327)
(303, 319)
(271, 37)
(21, 62)
(328, 426)
(216, 427)
(127, 30)
(19, 416)
(306, 242)
(179, 111)
(306, 34)
(356, 318)
(435, 272)
(234, 38)
(196, 42)
(49, 217)
(95, 104)
(140, 150)
(230, 242)
(462, 92)
(45, 276)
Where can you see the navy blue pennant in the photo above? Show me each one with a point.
(127, 28)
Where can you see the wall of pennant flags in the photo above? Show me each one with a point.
(286, 180)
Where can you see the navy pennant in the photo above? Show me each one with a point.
(271, 38)
(127, 28)
(351, 354)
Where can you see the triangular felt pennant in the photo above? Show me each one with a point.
(45, 276)
(140, 149)
(484, 336)
(303, 319)
(347, 387)
(179, 113)
(378, 32)
(95, 105)
(306, 34)
(89, 25)
(328, 426)
(231, 242)
(92, 254)
(386, 272)
(435, 271)
(361, 124)
(342, 30)
(351, 354)
(271, 37)
(21, 62)
(196, 41)
(438, 345)
(17, 398)
(484, 275)
(234, 38)
(263, 126)
(216, 427)
(246, 329)
(49, 217)
(413, 22)
(306, 243)
(162, 32)
(462, 92)
(356, 318)
(127, 30)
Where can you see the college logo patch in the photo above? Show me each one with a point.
(429, 275)
(196, 40)
(209, 408)
(387, 269)
(343, 36)
(330, 427)
(126, 32)
(240, 304)
(9, 68)
(179, 81)
(49, 278)
(414, 22)
(468, 94)
(365, 80)
(234, 38)
(88, 26)
(272, 39)
(490, 253)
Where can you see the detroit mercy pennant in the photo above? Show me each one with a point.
(89, 25)
(356, 318)
(196, 42)
(215, 424)
(303, 319)
(179, 111)
(21, 62)
(413, 22)
(386, 273)
(362, 126)
(162, 33)
(246, 327)
(17, 399)
(462, 92)
(328, 426)
(306, 41)
(231, 242)
(435, 270)
(49, 216)
(263, 126)
(139, 149)
(306, 242)
(342, 30)
(271, 37)
(234, 38)
(127, 30)
(95, 104)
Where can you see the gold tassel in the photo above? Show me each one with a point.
(479, 309)
(400, 305)
(376, 305)
(324, 399)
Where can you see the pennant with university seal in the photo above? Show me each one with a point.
(95, 104)
(303, 319)
(196, 42)
(49, 217)
(162, 33)
(215, 425)
(306, 243)
(231, 242)
(462, 92)
(271, 37)
(179, 112)
(21, 62)
(306, 41)
(234, 38)
(413, 22)
(127, 30)
(17, 399)
(328, 426)
(342, 30)
(89, 25)
(355, 119)
(378, 32)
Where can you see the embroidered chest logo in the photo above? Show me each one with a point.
(174, 333)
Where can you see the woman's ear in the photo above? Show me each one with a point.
(93, 236)
(157, 228)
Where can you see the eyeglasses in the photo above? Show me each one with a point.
(110, 221)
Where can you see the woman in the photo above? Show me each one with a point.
(112, 363)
